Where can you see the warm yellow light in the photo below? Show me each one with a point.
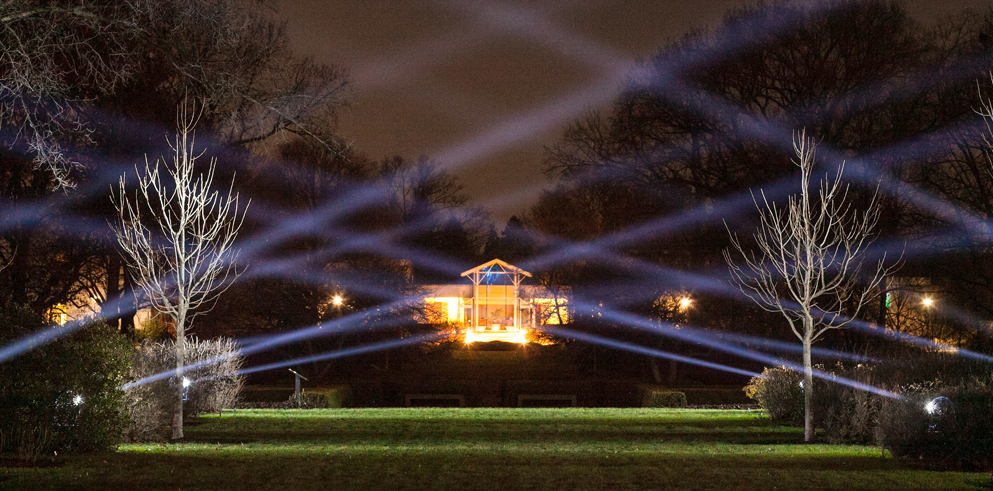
(453, 307)
(554, 309)
(927, 302)
(57, 314)
(685, 302)
(337, 300)
(519, 336)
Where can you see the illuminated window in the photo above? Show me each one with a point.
(57, 315)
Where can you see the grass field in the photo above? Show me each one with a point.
(491, 449)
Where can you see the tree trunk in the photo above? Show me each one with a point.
(808, 390)
(113, 295)
(130, 309)
(177, 415)
(656, 373)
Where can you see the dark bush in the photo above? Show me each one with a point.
(921, 368)
(778, 391)
(848, 414)
(331, 397)
(215, 384)
(308, 400)
(149, 404)
(337, 396)
(663, 398)
(319, 398)
(853, 415)
(715, 396)
(955, 435)
(63, 395)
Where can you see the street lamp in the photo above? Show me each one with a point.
(928, 302)
(685, 303)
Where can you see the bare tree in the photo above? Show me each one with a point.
(54, 57)
(811, 264)
(184, 259)
(421, 188)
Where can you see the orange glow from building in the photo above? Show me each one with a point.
(552, 310)
(509, 336)
(453, 307)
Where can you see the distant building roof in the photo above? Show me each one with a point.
(497, 266)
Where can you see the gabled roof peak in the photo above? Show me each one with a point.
(497, 266)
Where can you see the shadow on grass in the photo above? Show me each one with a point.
(446, 467)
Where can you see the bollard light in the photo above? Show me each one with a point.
(938, 406)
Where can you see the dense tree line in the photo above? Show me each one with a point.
(91, 88)
(655, 180)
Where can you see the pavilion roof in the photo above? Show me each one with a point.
(496, 266)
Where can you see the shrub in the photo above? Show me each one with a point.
(848, 414)
(779, 392)
(958, 436)
(216, 384)
(663, 398)
(64, 395)
(715, 396)
(319, 398)
(337, 397)
(218, 381)
(308, 400)
(149, 405)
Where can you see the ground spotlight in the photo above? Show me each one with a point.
(938, 406)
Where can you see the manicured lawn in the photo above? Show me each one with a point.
(370, 449)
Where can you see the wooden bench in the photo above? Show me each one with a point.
(570, 398)
(435, 397)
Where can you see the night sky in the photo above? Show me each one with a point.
(483, 87)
